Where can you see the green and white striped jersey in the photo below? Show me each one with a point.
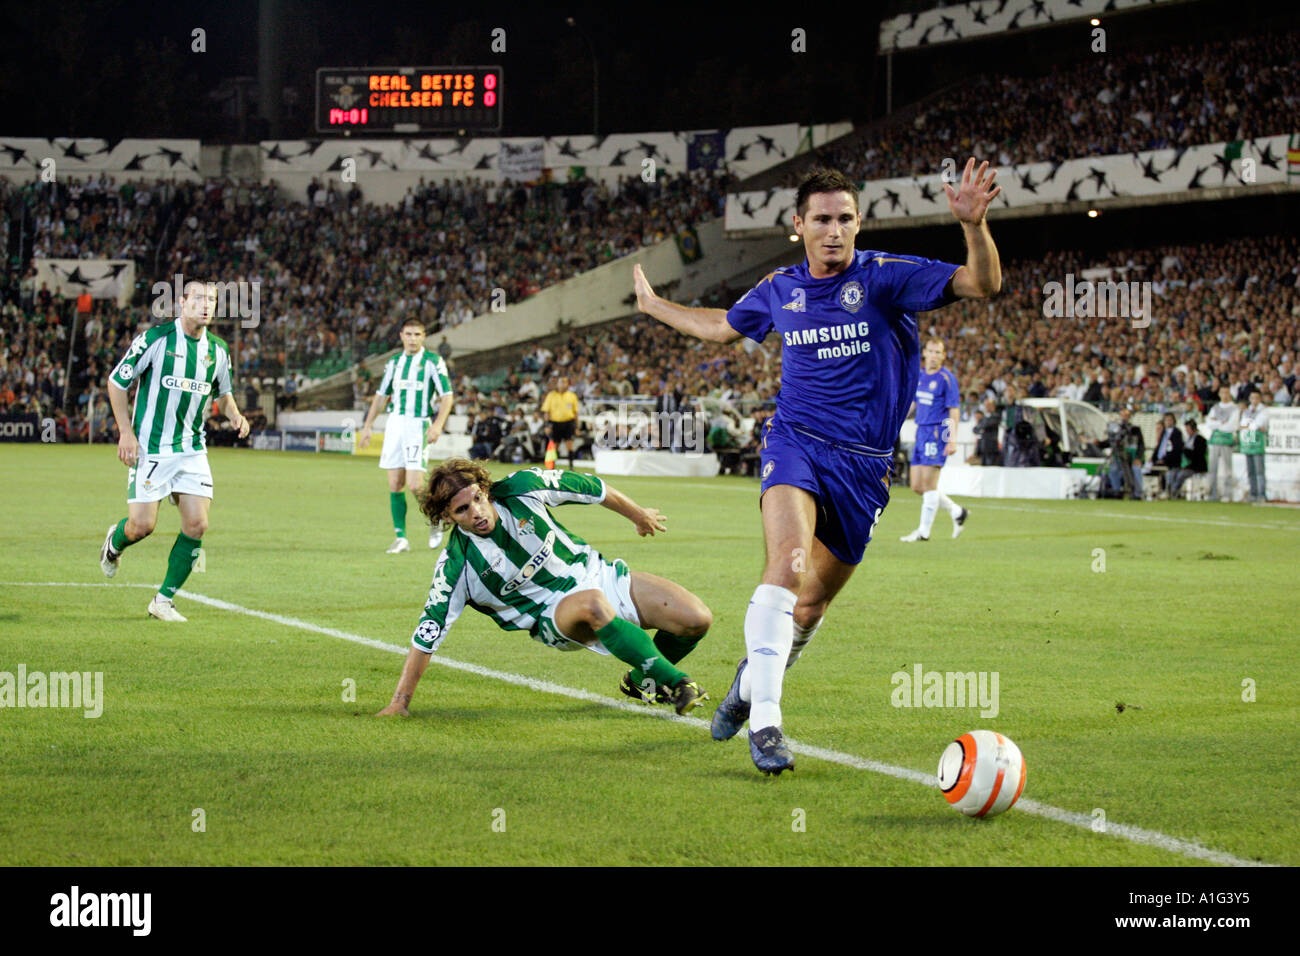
(413, 381)
(528, 562)
(177, 376)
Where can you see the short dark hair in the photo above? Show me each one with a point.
(823, 181)
(412, 321)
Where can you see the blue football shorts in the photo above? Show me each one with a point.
(930, 442)
(850, 483)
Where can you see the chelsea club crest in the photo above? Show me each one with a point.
(851, 296)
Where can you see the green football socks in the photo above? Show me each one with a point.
(120, 541)
(633, 646)
(673, 646)
(179, 563)
(397, 503)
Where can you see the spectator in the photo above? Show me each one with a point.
(986, 432)
(1224, 421)
(1168, 451)
(1254, 443)
(1193, 463)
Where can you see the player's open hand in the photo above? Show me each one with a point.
(363, 437)
(128, 449)
(650, 521)
(242, 426)
(395, 709)
(432, 435)
(970, 202)
(645, 295)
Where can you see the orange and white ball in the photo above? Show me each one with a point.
(982, 773)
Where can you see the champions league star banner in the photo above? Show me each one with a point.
(100, 278)
(747, 150)
(1096, 179)
(168, 158)
(955, 22)
(521, 161)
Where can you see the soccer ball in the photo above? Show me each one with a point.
(982, 773)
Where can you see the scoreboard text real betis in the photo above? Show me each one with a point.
(408, 99)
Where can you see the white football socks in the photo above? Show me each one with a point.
(802, 635)
(769, 635)
(929, 508)
(952, 507)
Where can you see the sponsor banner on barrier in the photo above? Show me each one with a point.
(335, 441)
(269, 440)
(20, 428)
(1284, 431)
(373, 450)
(300, 439)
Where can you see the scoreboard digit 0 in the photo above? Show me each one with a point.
(408, 99)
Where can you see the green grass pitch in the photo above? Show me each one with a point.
(245, 718)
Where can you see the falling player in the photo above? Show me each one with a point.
(509, 558)
(850, 359)
(937, 404)
(175, 366)
(411, 380)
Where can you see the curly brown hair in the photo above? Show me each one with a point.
(448, 480)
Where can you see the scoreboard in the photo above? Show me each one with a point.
(408, 99)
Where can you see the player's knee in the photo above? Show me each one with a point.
(139, 527)
(596, 610)
(698, 621)
(805, 615)
(195, 527)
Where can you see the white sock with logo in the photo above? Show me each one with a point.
(929, 508)
(802, 635)
(769, 634)
(952, 507)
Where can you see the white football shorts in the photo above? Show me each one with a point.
(614, 580)
(403, 443)
(154, 477)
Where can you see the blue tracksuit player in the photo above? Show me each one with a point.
(849, 367)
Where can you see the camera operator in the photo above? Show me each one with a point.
(1127, 450)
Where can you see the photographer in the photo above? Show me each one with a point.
(1127, 449)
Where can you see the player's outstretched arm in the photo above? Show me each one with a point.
(711, 325)
(647, 520)
(981, 276)
(416, 661)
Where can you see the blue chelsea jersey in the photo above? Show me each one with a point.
(850, 353)
(936, 392)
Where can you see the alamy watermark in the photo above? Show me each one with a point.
(1091, 299)
(633, 427)
(922, 688)
(76, 689)
(226, 300)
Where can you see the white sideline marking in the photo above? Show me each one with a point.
(1133, 834)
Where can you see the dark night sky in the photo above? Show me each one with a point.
(106, 69)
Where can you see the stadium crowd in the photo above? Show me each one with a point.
(1214, 92)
